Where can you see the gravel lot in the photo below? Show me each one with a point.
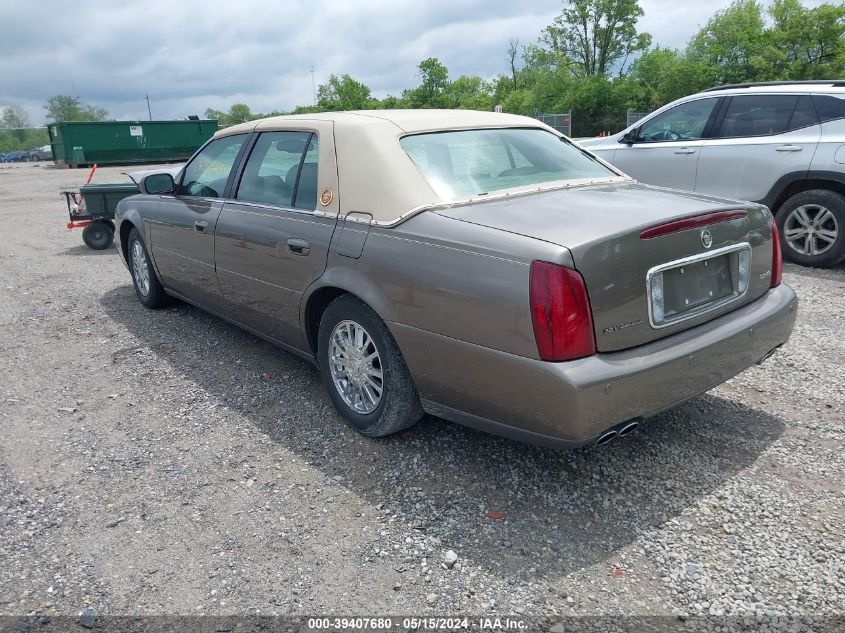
(168, 463)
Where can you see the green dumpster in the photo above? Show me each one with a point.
(84, 143)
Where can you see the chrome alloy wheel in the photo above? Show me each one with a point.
(811, 229)
(140, 268)
(355, 367)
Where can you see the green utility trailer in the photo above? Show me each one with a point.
(92, 209)
(85, 143)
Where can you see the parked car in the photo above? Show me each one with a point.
(40, 153)
(780, 144)
(476, 266)
(13, 157)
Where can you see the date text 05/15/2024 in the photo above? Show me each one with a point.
(460, 623)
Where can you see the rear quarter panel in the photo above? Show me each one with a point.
(830, 155)
(471, 286)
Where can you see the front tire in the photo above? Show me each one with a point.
(148, 288)
(363, 370)
(812, 228)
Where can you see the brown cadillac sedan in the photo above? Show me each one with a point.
(476, 266)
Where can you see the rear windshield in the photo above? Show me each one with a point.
(469, 163)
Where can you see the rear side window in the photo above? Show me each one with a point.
(804, 114)
(281, 171)
(829, 107)
(757, 115)
(306, 190)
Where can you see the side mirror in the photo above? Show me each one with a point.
(630, 137)
(158, 184)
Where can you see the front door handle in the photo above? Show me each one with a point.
(685, 150)
(201, 226)
(298, 246)
(788, 148)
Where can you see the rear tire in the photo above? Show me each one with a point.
(363, 370)
(812, 228)
(98, 236)
(148, 288)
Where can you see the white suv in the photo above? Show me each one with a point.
(779, 143)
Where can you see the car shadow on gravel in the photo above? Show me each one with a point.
(564, 510)
(81, 250)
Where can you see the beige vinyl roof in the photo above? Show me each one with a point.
(374, 174)
(408, 121)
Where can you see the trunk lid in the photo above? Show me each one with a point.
(601, 225)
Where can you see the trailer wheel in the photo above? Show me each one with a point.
(98, 236)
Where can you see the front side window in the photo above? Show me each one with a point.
(282, 171)
(685, 122)
(470, 163)
(206, 175)
(757, 115)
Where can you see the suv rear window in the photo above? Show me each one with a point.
(757, 115)
(829, 107)
(468, 163)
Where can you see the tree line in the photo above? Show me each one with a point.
(17, 133)
(591, 60)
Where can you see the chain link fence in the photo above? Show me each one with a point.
(634, 115)
(562, 122)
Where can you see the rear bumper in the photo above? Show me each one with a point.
(572, 403)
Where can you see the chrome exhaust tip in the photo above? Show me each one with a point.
(606, 437)
(628, 428)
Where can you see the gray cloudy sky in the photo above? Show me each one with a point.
(190, 54)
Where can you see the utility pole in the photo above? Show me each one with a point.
(149, 111)
(313, 85)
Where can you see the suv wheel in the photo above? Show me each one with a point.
(812, 228)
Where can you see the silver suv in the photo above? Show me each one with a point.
(779, 143)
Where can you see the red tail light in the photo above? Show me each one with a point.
(560, 312)
(777, 256)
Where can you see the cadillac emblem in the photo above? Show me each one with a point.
(706, 239)
(326, 197)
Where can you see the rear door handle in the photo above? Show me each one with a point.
(298, 246)
(201, 226)
(788, 148)
(685, 150)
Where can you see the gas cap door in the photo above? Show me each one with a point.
(353, 234)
